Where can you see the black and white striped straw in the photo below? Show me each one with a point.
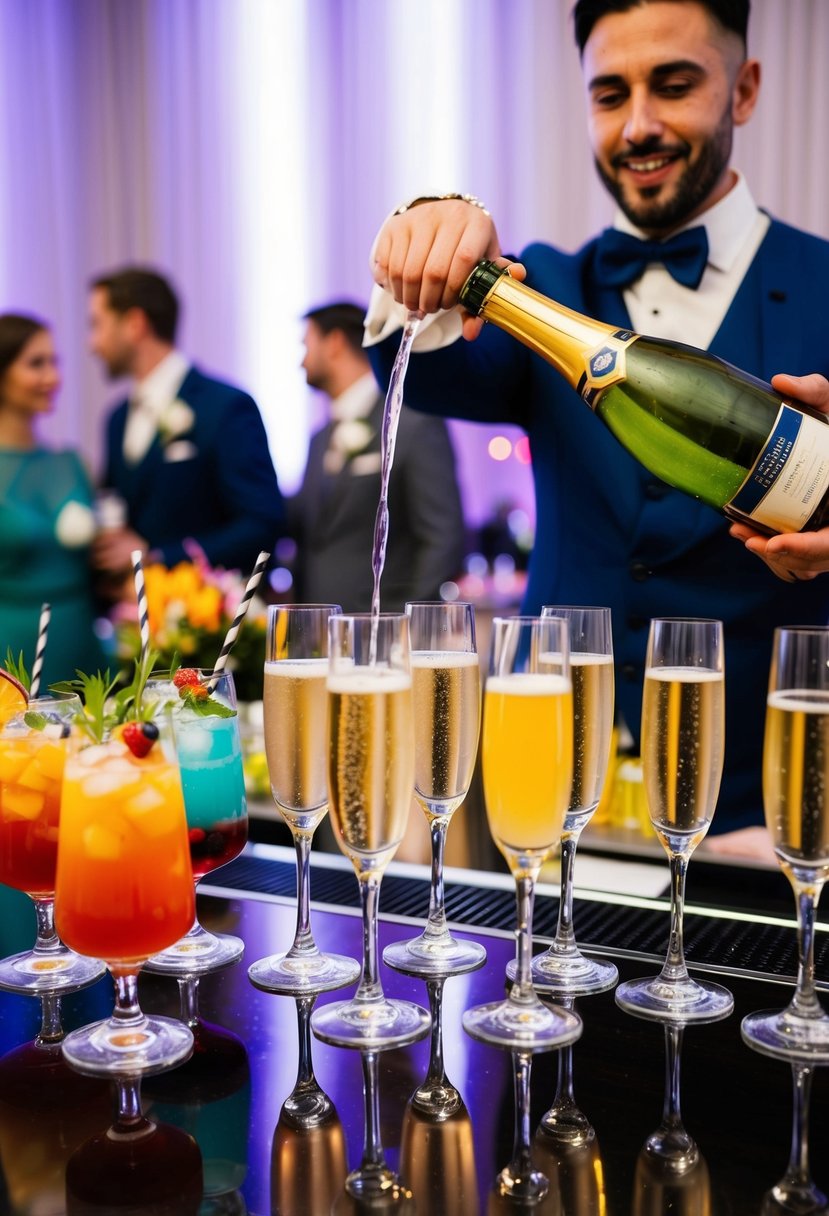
(244, 603)
(40, 649)
(141, 596)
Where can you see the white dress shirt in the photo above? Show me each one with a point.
(657, 304)
(148, 401)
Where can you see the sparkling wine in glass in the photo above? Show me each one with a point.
(124, 892)
(683, 736)
(370, 778)
(796, 797)
(527, 771)
(32, 758)
(209, 750)
(447, 707)
(563, 968)
(296, 742)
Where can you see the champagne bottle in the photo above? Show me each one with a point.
(698, 423)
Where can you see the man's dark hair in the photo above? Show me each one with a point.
(16, 330)
(342, 315)
(135, 287)
(731, 14)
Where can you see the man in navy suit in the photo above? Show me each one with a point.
(187, 454)
(667, 81)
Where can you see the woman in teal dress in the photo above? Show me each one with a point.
(46, 526)
(46, 516)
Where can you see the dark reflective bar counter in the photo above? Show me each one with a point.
(251, 1157)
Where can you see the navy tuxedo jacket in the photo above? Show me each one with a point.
(214, 484)
(608, 532)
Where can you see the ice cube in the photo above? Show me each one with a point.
(101, 843)
(22, 803)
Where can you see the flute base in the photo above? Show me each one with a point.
(788, 1036)
(569, 974)
(303, 974)
(522, 1026)
(370, 1025)
(139, 1047)
(37, 972)
(680, 1001)
(197, 953)
(433, 958)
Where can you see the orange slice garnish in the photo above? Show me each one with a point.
(13, 697)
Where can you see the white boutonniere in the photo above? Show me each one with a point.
(351, 436)
(176, 420)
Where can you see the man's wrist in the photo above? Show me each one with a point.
(440, 198)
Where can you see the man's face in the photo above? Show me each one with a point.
(315, 363)
(665, 87)
(110, 335)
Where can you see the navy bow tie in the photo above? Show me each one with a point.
(622, 258)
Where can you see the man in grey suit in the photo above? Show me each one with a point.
(333, 514)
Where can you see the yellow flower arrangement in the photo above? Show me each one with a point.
(191, 607)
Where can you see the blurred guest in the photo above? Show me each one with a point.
(333, 514)
(46, 517)
(187, 454)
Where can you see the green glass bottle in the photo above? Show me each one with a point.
(695, 421)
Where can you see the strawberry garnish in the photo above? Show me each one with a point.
(185, 677)
(139, 737)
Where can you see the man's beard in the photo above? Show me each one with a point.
(695, 183)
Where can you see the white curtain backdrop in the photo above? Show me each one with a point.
(251, 148)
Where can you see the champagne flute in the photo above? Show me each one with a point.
(296, 666)
(370, 777)
(563, 967)
(32, 759)
(683, 733)
(527, 770)
(447, 707)
(796, 796)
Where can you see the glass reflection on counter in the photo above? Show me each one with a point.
(136, 1167)
(209, 1098)
(46, 1111)
(437, 1161)
(308, 1157)
(796, 1190)
(660, 1188)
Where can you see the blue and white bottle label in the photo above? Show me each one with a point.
(790, 476)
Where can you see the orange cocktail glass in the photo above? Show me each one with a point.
(32, 757)
(124, 892)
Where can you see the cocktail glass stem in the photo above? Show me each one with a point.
(304, 945)
(519, 1179)
(48, 943)
(127, 1013)
(671, 1141)
(51, 1026)
(805, 1003)
(674, 969)
(188, 991)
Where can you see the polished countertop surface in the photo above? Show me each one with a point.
(736, 1105)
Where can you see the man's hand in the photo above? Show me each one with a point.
(112, 550)
(424, 256)
(793, 556)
